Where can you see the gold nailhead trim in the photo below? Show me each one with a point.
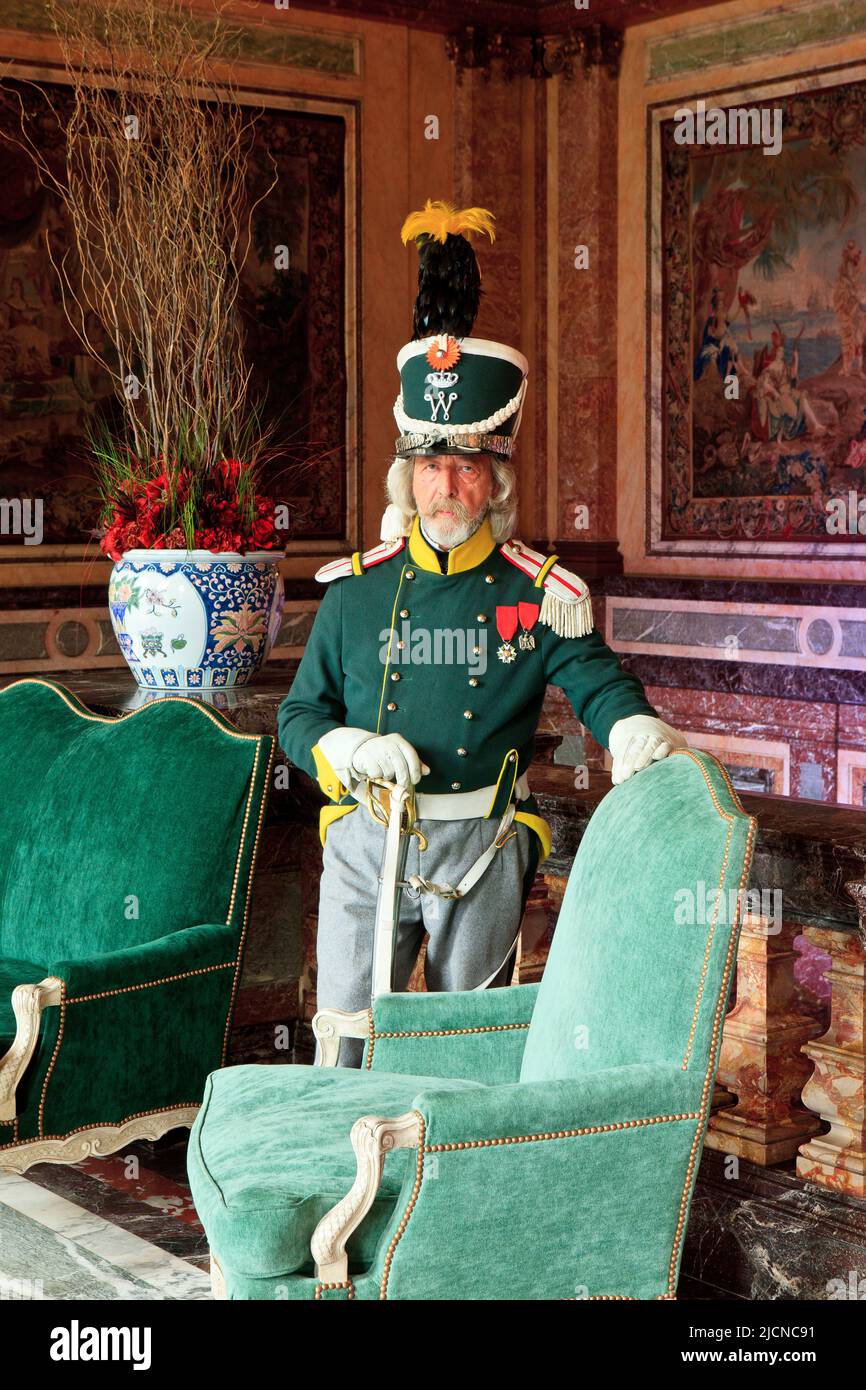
(705, 1096)
(449, 1032)
(708, 948)
(149, 984)
(266, 787)
(404, 1220)
(131, 714)
(246, 819)
(62, 1007)
(372, 1039)
(558, 1134)
(346, 1284)
(106, 1124)
(717, 1021)
(433, 1033)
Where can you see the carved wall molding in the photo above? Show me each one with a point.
(536, 55)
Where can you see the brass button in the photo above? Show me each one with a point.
(461, 753)
(473, 680)
(476, 651)
(391, 704)
(467, 714)
(410, 574)
(482, 618)
(395, 675)
(404, 612)
(455, 786)
(400, 646)
(488, 579)
(511, 757)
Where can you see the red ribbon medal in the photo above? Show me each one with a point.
(506, 626)
(528, 614)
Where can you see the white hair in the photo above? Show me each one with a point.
(502, 508)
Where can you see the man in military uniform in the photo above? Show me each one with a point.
(429, 659)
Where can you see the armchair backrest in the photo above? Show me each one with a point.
(116, 831)
(644, 947)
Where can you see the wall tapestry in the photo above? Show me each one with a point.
(758, 273)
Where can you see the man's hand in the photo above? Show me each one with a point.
(389, 756)
(639, 740)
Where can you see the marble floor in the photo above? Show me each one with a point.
(121, 1227)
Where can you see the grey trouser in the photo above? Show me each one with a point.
(468, 937)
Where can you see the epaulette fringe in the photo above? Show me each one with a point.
(566, 605)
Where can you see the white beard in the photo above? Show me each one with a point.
(449, 534)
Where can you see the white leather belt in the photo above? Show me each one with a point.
(392, 883)
(456, 805)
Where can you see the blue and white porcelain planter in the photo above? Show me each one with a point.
(193, 620)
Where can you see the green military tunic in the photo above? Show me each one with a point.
(398, 646)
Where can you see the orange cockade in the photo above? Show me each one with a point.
(444, 351)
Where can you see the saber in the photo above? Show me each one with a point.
(398, 833)
(396, 811)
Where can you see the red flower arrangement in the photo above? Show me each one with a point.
(163, 506)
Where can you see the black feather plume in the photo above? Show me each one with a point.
(449, 288)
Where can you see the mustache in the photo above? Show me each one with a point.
(460, 510)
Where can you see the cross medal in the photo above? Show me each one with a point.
(506, 626)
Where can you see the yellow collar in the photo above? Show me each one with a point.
(463, 557)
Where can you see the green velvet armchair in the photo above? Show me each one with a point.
(534, 1142)
(127, 848)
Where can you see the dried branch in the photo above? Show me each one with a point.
(154, 187)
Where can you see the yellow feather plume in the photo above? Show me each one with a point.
(438, 219)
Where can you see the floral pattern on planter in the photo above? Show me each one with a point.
(194, 620)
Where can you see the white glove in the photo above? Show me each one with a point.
(390, 756)
(639, 740)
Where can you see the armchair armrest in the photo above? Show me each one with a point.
(637, 1095)
(28, 1002)
(601, 1219)
(478, 1035)
(137, 1033)
(189, 951)
(572, 1188)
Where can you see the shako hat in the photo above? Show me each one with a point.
(458, 394)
